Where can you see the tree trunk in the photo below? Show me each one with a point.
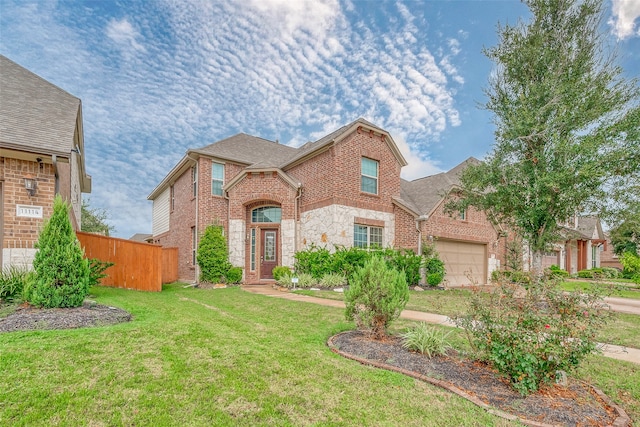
(536, 265)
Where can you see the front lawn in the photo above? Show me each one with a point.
(619, 290)
(210, 357)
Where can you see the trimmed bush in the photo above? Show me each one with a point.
(62, 276)
(610, 272)
(279, 271)
(213, 257)
(631, 264)
(234, 275)
(555, 272)
(426, 339)
(376, 296)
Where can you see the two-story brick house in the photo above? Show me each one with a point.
(273, 200)
(41, 147)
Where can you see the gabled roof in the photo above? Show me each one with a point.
(259, 154)
(247, 149)
(39, 118)
(35, 115)
(590, 225)
(423, 195)
(311, 148)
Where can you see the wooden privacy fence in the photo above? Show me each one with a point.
(140, 266)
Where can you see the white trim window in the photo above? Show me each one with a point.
(194, 179)
(366, 236)
(217, 178)
(369, 178)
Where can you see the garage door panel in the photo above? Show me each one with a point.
(465, 263)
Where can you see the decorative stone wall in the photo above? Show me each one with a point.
(333, 225)
(236, 242)
(288, 241)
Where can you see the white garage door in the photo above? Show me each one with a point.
(466, 263)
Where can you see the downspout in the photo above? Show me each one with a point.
(419, 230)
(54, 161)
(296, 218)
(197, 242)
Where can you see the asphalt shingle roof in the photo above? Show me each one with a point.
(35, 115)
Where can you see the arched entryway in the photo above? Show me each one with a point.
(265, 249)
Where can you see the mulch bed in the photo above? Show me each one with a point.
(577, 404)
(89, 314)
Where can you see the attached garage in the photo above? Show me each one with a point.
(465, 263)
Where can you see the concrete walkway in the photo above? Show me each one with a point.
(609, 350)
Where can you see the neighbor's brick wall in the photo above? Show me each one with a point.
(20, 232)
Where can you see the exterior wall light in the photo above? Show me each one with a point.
(30, 184)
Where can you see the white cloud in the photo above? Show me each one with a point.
(124, 35)
(418, 165)
(625, 13)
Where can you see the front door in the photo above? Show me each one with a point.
(269, 253)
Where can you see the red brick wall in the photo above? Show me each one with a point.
(608, 258)
(406, 232)
(212, 209)
(20, 231)
(333, 177)
(181, 219)
(475, 228)
(262, 186)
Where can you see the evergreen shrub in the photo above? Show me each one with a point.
(62, 276)
(213, 257)
(376, 296)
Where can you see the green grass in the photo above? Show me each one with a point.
(210, 357)
(623, 330)
(620, 291)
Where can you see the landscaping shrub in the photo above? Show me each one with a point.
(305, 281)
(555, 272)
(529, 338)
(346, 260)
(213, 257)
(376, 296)
(332, 281)
(426, 339)
(593, 273)
(520, 277)
(610, 272)
(96, 270)
(234, 275)
(405, 260)
(315, 261)
(631, 266)
(62, 276)
(12, 282)
(435, 271)
(279, 271)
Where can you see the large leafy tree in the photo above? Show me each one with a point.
(94, 220)
(566, 123)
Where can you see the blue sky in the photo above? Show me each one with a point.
(157, 77)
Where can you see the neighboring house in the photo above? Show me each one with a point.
(581, 248)
(142, 238)
(343, 189)
(608, 258)
(41, 154)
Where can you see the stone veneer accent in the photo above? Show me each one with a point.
(236, 242)
(333, 225)
(288, 241)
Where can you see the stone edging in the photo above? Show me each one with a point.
(622, 419)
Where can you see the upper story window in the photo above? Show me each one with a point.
(217, 178)
(194, 180)
(266, 214)
(365, 236)
(369, 178)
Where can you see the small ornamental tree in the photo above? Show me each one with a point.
(213, 257)
(376, 296)
(62, 275)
